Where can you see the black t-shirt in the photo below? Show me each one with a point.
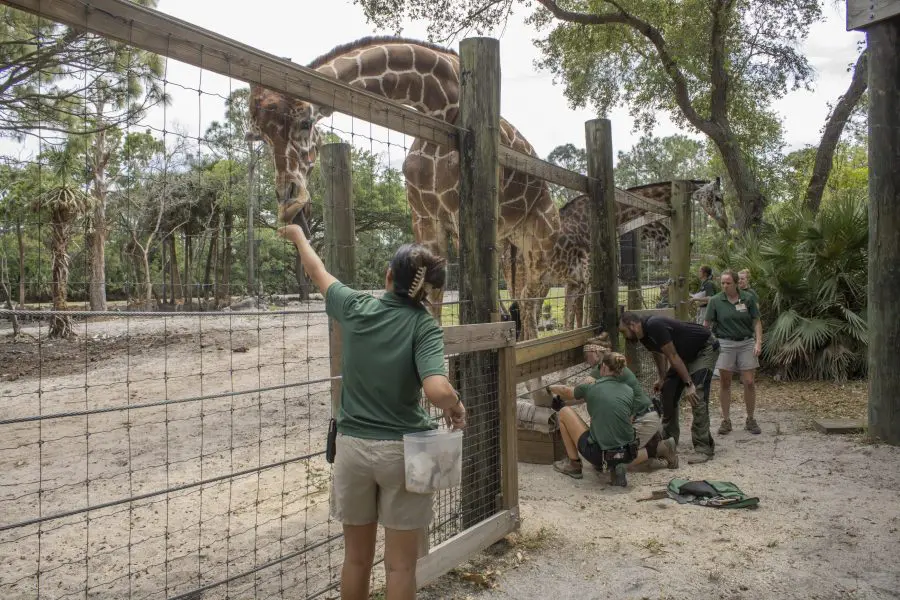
(688, 338)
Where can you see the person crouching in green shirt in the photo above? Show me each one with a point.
(645, 420)
(610, 439)
(733, 316)
(392, 350)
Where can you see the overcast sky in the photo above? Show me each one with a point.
(303, 29)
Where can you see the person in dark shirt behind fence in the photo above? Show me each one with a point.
(685, 355)
(392, 350)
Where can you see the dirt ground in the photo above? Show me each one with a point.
(826, 527)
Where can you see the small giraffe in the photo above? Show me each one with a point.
(569, 262)
(426, 77)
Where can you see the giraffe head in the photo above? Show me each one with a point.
(710, 198)
(288, 126)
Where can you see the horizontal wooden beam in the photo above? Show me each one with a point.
(627, 198)
(639, 222)
(862, 13)
(549, 364)
(481, 336)
(540, 348)
(162, 34)
(453, 552)
(542, 169)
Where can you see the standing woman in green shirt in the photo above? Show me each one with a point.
(392, 349)
(733, 316)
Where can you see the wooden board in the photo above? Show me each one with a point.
(862, 13)
(481, 336)
(540, 448)
(840, 425)
(451, 553)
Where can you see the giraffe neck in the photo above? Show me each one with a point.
(421, 77)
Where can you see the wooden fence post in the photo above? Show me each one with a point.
(883, 39)
(604, 247)
(680, 250)
(630, 253)
(479, 206)
(340, 252)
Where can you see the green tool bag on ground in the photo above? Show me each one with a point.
(717, 494)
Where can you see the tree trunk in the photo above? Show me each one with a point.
(211, 257)
(751, 202)
(147, 292)
(834, 127)
(223, 290)
(21, 239)
(177, 291)
(60, 230)
(884, 221)
(188, 274)
(7, 295)
(97, 234)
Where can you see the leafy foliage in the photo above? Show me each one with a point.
(811, 275)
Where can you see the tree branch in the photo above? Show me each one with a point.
(718, 107)
(834, 127)
(621, 16)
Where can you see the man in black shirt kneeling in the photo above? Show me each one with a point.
(685, 355)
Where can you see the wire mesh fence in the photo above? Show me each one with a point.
(166, 387)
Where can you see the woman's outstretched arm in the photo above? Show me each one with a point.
(312, 264)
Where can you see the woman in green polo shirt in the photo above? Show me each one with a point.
(733, 316)
(645, 419)
(611, 405)
(392, 349)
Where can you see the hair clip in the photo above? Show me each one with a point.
(418, 281)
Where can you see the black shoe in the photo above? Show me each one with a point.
(617, 475)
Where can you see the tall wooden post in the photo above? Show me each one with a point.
(630, 274)
(479, 206)
(680, 250)
(883, 40)
(604, 248)
(340, 252)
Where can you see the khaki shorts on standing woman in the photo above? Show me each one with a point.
(733, 315)
(389, 345)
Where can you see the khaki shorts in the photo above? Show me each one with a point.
(369, 485)
(737, 356)
(646, 426)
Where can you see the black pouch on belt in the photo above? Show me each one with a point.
(331, 444)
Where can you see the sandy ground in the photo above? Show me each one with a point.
(827, 526)
(167, 544)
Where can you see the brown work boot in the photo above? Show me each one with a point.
(569, 467)
(752, 426)
(667, 451)
(699, 457)
(725, 427)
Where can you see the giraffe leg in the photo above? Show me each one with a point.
(579, 307)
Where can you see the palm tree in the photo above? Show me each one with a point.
(65, 203)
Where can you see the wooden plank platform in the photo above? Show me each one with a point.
(840, 425)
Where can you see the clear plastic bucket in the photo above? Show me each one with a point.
(433, 460)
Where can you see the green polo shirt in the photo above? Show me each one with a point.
(732, 321)
(642, 401)
(388, 347)
(610, 403)
(753, 293)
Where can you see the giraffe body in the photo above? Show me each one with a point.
(569, 262)
(425, 77)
